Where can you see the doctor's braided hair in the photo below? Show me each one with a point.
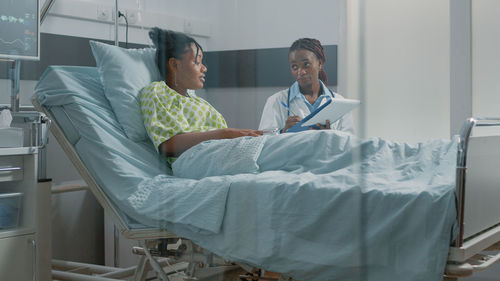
(315, 47)
(170, 44)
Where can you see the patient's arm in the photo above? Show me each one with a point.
(179, 143)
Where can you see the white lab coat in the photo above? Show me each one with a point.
(275, 114)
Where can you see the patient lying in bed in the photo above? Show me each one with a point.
(299, 182)
(355, 210)
(174, 117)
(386, 213)
(357, 207)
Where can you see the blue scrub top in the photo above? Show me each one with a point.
(326, 94)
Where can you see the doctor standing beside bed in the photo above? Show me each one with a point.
(174, 117)
(287, 107)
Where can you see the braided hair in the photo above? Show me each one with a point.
(315, 47)
(170, 44)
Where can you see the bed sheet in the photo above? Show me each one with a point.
(326, 214)
(312, 220)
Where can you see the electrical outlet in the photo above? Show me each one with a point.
(103, 13)
(133, 16)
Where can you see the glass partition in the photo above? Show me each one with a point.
(211, 126)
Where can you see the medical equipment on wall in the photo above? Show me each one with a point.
(20, 37)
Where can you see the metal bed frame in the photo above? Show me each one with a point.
(468, 254)
(465, 255)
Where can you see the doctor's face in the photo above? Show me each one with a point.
(191, 71)
(305, 67)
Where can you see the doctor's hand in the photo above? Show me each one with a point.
(290, 122)
(231, 133)
(319, 126)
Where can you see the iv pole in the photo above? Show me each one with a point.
(14, 77)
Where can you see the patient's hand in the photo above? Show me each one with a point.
(231, 133)
(290, 122)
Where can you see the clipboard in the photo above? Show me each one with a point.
(331, 110)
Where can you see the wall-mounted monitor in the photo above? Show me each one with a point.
(20, 29)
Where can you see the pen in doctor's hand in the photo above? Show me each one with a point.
(288, 108)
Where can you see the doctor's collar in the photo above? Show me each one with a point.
(295, 90)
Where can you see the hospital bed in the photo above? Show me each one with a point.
(82, 119)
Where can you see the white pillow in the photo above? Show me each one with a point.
(124, 72)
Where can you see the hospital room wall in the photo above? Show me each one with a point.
(407, 62)
(415, 66)
(485, 60)
(79, 18)
(398, 65)
(84, 18)
(253, 25)
(408, 55)
(233, 25)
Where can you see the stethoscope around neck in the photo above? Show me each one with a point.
(288, 100)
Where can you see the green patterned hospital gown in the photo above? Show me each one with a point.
(166, 113)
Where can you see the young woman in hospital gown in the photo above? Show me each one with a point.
(175, 118)
(287, 107)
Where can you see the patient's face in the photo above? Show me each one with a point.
(191, 71)
(305, 67)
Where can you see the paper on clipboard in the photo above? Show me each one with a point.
(332, 111)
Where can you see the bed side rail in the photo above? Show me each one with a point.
(147, 233)
(461, 168)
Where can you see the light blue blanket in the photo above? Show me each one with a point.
(313, 205)
(324, 205)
